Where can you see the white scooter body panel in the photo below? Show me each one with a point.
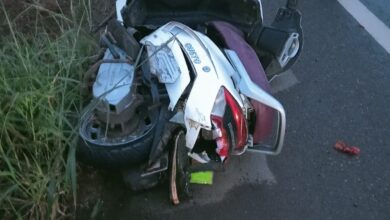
(161, 38)
(212, 71)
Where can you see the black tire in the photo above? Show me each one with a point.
(119, 156)
(122, 152)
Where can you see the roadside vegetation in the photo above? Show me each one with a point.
(43, 55)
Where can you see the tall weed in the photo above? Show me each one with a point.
(40, 75)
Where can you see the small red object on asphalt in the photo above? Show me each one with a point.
(343, 147)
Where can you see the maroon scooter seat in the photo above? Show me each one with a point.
(233, 39)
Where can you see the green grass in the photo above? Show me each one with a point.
(40, 103)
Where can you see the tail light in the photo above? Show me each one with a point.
(221, 137)
(240, 130)
(239, 121)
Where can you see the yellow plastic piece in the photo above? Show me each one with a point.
(204, 177)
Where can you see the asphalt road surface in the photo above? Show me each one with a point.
(342, 92)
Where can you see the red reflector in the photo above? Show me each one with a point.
(223, 140)
(239, 120)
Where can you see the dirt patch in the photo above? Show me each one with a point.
(30, 17)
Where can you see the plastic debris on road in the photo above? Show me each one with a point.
(343, 147)
(205, 178)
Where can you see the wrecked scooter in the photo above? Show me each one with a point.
(183, 86)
